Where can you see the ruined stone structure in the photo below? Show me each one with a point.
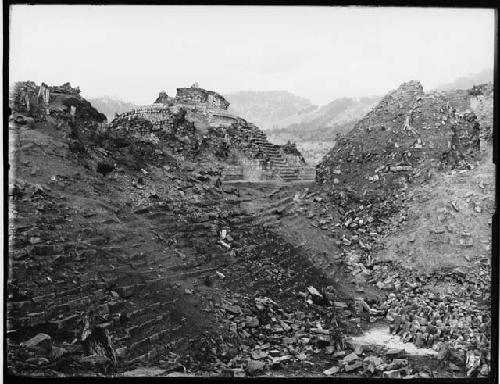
(407, 127)
(40, 101)
(24, 96)
(163, 98)
(481, 103)
(200, 96)
(258, 159)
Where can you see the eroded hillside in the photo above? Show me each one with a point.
(129, 255)
(408, 195)
(123, 256)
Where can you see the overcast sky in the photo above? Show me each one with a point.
(321, 53)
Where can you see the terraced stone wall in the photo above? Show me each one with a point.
(159, 115)
(201, 96)
(262, 160)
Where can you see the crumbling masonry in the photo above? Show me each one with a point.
(254, 157)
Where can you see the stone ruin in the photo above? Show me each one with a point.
(39, 102)
(200, 96)
(244, 149)
(407, 127)
(481, 102)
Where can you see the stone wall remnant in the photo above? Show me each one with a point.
(407, 127)
(40, 101)
(201, 96)
(163, 98)
(219, 132)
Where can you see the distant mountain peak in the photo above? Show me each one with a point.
(469, 80)
(111, 105)
(268, 109)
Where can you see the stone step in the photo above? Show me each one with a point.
(268, 150)
(76, 304)
(265, 219)
(285, 200)
(146, 349)
(143, 329)
(233, 177)
(39, 303)
(241, 220)
(286, 175)
(55, 313)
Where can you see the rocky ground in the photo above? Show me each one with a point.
(153, 268)
(422, 270)
(157, 267)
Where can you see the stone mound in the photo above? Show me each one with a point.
(42, 101)
(406, 129)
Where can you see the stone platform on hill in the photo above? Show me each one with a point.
(254, 157)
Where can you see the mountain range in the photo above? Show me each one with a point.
(465, 82)
(111, 105)
(269, 109)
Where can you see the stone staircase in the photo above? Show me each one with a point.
(55, 282)
(262, 149)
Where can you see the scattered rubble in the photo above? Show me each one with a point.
(182, 278)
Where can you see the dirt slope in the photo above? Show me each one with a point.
(407, 197)
(137, 258)
(448, 221)
(166, 270)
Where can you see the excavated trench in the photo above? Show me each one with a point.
(171, 296)
(272, 206)
(149, 266)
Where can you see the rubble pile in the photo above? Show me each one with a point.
(450, 306)
(402, 142)
(356, 223)
(129, 255)
(241, 147)
(162, 98)
(42, 101)
(481, 102)
(109, 271)
(440, 310)
(375, 181)
(195, 94)
(406, 129)
(71, 246)
(55, 279)
(280, 318)
(138, 136)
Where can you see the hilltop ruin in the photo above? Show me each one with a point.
(407, 127)
(242, 148)
(128, 255)
(41, 101)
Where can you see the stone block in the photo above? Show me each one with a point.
(125, 292)
(41, 342)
